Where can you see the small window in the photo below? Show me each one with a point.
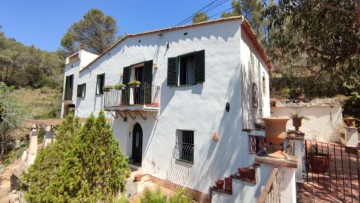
(264, 85)
(185, 146)
(100, 84)
(81, 90)
(186, 69)
(254, 96)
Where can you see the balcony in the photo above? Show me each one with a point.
(68, 95)
(143, 98)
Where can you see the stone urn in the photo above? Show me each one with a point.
(297, 123)
(275, 133)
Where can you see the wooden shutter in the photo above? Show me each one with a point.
(126, 75)
(200, 66)
(148, 69)
(125, 98)
(172, 71)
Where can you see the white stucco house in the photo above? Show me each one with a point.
(203, 88)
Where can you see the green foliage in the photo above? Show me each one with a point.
(12, 115)
(150, 196)
(352, 104)
(327, 32)
(83, 165)
(200, 17)
(28, 66)
(96, 32)
(48, 161)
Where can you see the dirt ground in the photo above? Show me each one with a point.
(5, 180)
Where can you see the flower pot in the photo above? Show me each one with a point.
(134, 85)
(219, 184)
(275, 133)
(137, 178)
(251, 174)
(243, 172)
(228, 184)
(297, 123)
(350, 122)
(319, 162)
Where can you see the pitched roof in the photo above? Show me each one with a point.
(245, 25)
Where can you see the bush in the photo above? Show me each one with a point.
(83, 165)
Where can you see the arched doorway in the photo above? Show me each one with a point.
(137, 144)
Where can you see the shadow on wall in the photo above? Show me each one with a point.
(231, 151)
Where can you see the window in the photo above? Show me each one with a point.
(69, 81)
(188, 69)
(81, 90)
(185, 146)
(254, 98)
(100, 84)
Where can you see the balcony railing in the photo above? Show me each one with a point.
(68, 95)
(184, 152)
(144, 95)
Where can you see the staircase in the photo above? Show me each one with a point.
(265, 184)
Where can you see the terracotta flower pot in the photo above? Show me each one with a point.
(350, 122)
(297, 123)
(275, 133)
(219, 184)
(251, 174)
(228, 184)
(243, 172)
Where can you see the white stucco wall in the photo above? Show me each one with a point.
(200, 108)
(324, 122)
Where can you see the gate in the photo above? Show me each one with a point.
(335, 168)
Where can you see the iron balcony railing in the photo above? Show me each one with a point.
(68, 95)
(144, 95)
(184, 152)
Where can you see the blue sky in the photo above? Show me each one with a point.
(42, 23)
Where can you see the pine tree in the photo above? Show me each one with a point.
(95, 169)
(48, 161)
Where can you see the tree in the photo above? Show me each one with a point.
(89, 167)
(252, 10)
(96, 32)
(200, 17)
(328, 31)
(48, 161)
(12, 114)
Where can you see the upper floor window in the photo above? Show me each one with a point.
(188, 69)
(100, 84)
(69, 82)
(81, 90)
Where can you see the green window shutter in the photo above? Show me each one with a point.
(148, 68)
(125, 98)
(172, 71)
(126, 75)
(200, 66)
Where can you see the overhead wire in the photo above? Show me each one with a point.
(211, 6)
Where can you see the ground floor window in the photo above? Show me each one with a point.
(185, 146)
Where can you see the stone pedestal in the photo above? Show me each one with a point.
(351, 137)
(286, 168)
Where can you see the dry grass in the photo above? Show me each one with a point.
(41, 103)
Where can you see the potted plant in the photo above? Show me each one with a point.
(243, 172)
(219, 184)
(350, 121)
(319, 162)
(228, 184)
(107, 88)
(119, 86)
(296, 119)
(134, 83)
